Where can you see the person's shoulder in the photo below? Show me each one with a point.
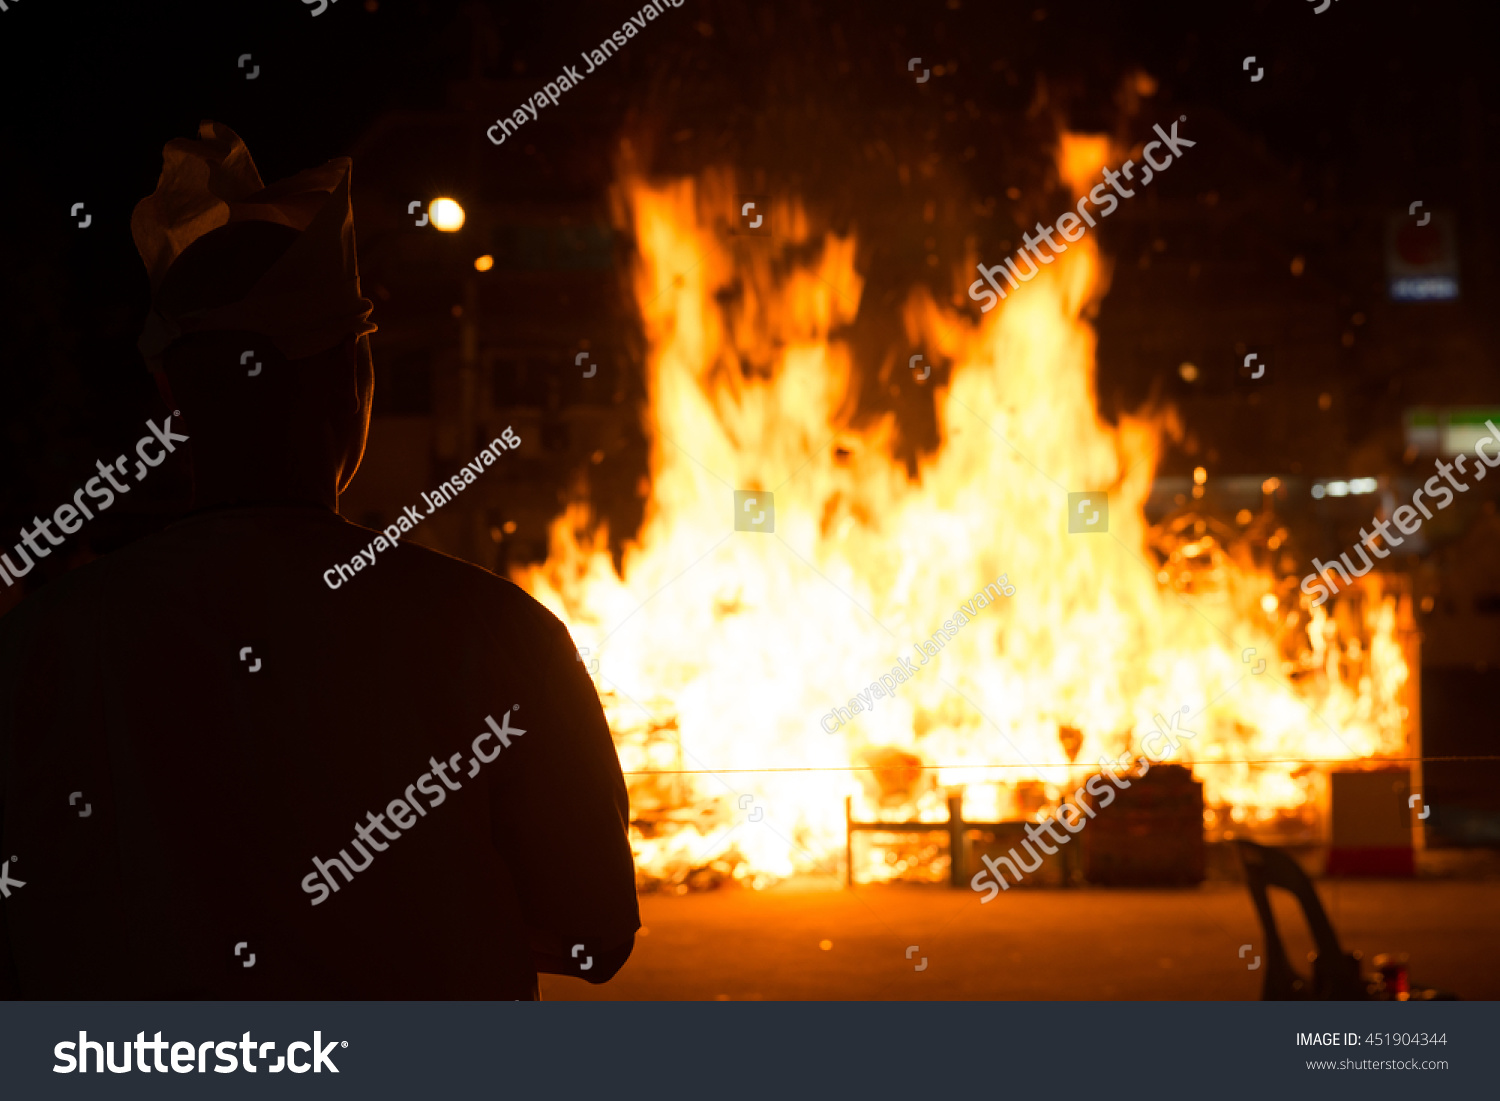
(83, 586)
(65, 612)
(442, 574)
(70, 609)
(116, 566)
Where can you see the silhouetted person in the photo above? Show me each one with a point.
(210, 756)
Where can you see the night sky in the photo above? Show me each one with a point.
(1362, 109)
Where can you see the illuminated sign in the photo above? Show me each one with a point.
(1421, 257)
(1432, 431)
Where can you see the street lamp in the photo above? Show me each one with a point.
(446, 215)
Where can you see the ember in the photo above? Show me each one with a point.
(720, 652)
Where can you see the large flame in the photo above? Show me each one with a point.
(722, 652)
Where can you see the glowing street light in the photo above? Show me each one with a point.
(446, 215)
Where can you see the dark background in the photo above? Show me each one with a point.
(1268, 234)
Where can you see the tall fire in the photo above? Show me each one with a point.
(722, 651)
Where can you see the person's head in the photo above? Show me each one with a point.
(261, 427)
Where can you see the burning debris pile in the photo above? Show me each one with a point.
(721, 650)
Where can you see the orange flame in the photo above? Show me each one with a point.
(726, 650)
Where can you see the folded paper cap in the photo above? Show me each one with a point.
(308, 300)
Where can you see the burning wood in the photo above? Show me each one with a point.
(752, 384)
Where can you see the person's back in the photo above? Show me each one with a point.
(224, 777)
(212, 781)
